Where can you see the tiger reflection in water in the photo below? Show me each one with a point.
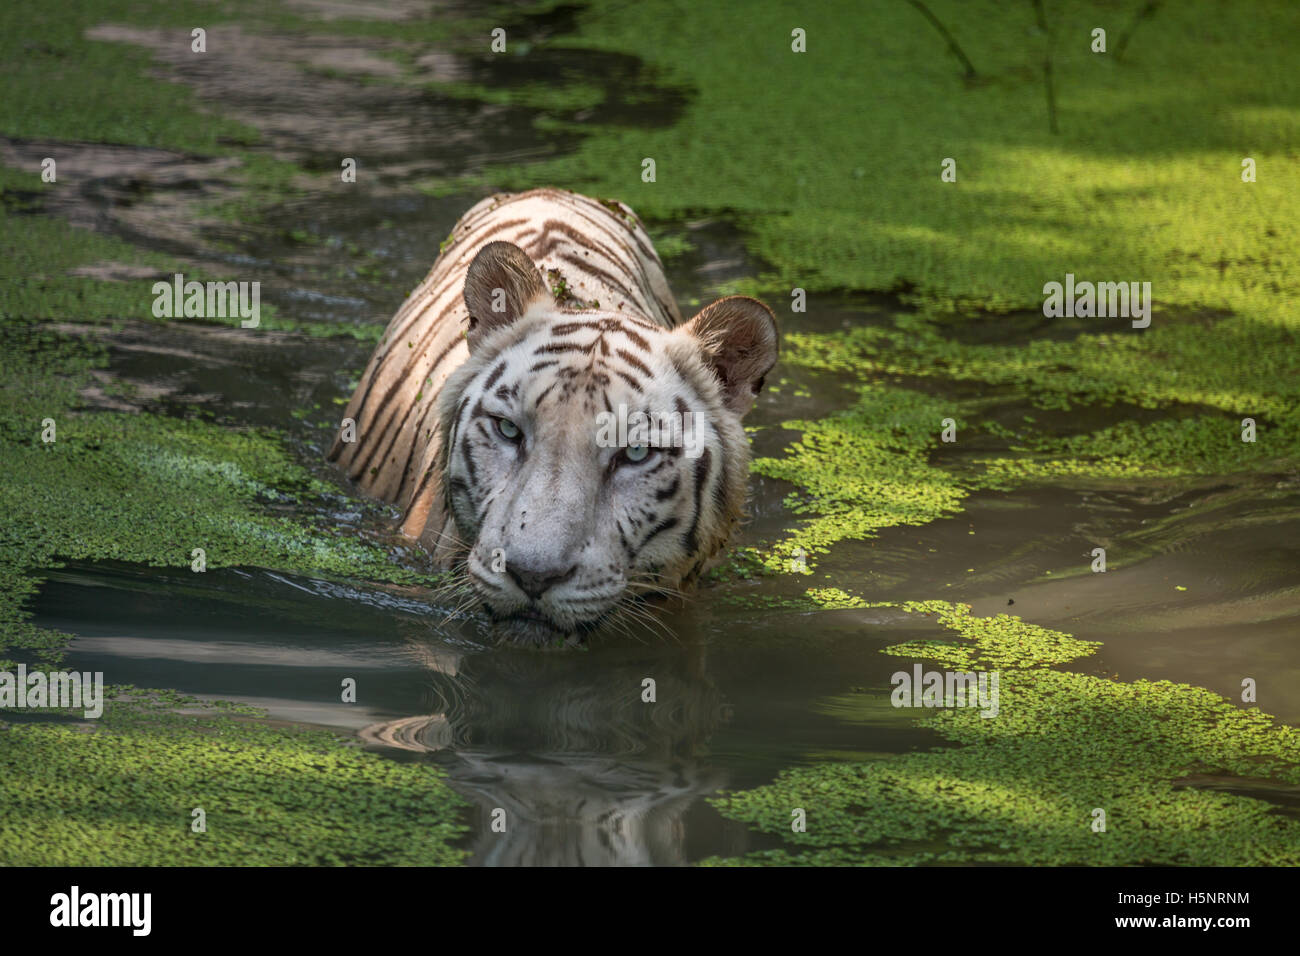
(588, 774)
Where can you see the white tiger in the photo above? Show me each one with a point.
(484, 412)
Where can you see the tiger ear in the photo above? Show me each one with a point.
(501, 285)
(737, 336)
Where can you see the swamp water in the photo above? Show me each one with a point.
(561, 740)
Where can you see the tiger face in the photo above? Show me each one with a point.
(593, 457)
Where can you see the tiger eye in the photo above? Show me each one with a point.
(507, 428)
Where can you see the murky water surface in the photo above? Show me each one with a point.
(562, 740)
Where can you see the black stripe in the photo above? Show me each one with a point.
(568, 328)
(630, 380)
(466, 453)
(604, 276)
(666, 525)
(412, 445)
(496, 374)
(691, 539)
(638, 340)
(381, 446)
(555, 347)
(632, 360)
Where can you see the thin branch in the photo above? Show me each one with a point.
(1047, 66)
(948, 37)
(1146, 13)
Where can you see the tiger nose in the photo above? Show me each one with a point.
(534, 582)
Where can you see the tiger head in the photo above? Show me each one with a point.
(592, 457)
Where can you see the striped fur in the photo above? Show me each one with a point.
(550, 523)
